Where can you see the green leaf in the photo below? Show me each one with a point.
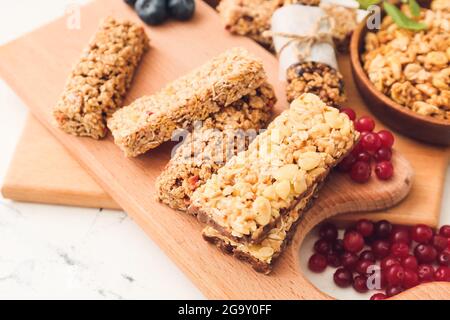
(414, 8)
(365, 4)
(401, 19)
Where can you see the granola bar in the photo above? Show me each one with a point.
(99, 81)
(251, 18)
(262, 256)
(249, 195)
(151, 120)
(317, 78)
(207, 149)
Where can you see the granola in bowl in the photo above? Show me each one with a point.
(413, 68)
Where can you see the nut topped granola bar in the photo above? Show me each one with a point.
(98, 83)
(248, 196)
(208, 148)
(151, 120)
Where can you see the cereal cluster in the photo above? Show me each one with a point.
(413, 68)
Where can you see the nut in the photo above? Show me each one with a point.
(425, 109)
(286, 172)
(309, 160)
(265, 252)
(333, 119)
(436, 58)
(269, 192)
(283, 189)
(262, 208)
(300, 182)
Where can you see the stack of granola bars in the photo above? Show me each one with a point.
(253, 204)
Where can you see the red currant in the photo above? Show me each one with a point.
(381, 248)
(399, 250)
(393, 291)
(343, 278)
(442, 274)
(362, 266)
(445, 231)
(384, 170)
(317, 263)
(425, 253)
(395, 275)
(360, 284)
(363, 156)
(388, 262)
(443, 258)
(322, 246)
(411, 279)
(367, 255)
(383, 154)
(349, 112)
(371, 142)
(333, 260)
(410, 262)
(365, 123)
(360, 172)
(439, 242)
(358, 147)
(383, 229)
(387, 138)
(353, 241)
(378, 296)
(400, 234)
(349, 260)
(347, 163)
(328, 231)
(425, 272)
(338, 246)
(421, 233)
(364, 227)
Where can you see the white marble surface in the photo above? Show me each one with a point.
(73, 253)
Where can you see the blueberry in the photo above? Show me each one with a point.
(151, 11)
(181, 9)
(130, 2)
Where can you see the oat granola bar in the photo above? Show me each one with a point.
(208, 148)
(262, 256)
(251, 18)
(317, 78)
(151, 120)
(99, 81)
(249, 195)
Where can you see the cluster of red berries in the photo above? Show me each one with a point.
(371, 146)
(401, 257)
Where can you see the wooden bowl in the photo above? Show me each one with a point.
(398, 117)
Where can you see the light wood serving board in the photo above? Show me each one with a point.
(36, 66)
(54, 176)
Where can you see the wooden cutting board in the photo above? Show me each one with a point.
(55, 177)
(36, 66)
